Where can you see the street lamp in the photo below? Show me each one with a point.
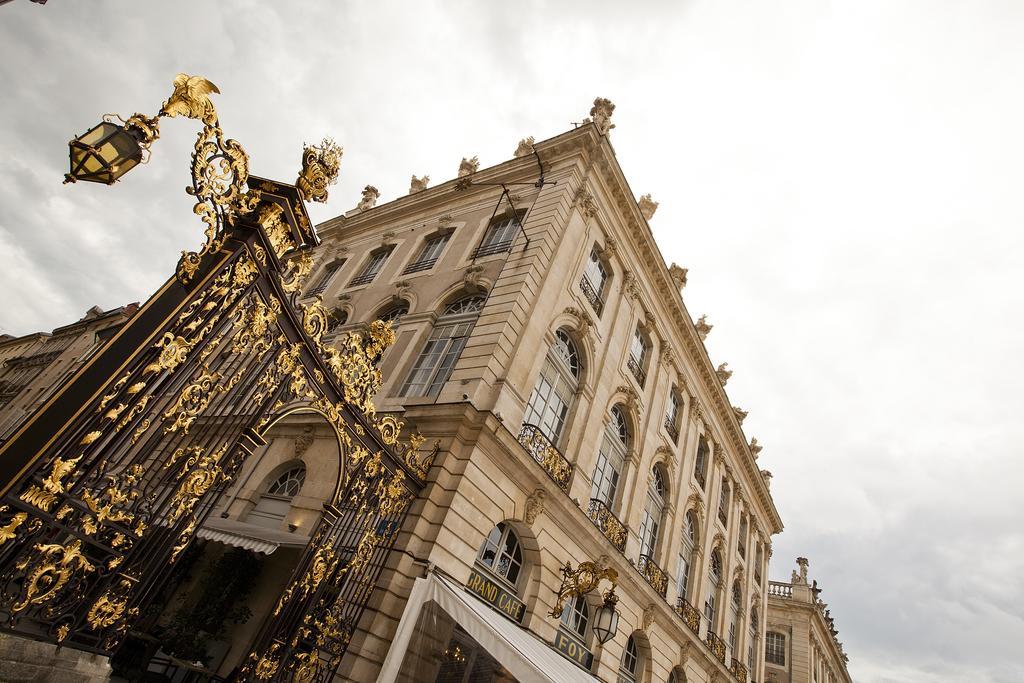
(606, 619)
(582, 580)
(107, 151)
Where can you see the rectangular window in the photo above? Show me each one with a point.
(373, 266)
(428, 255)
(775, 648)
(709, 609)
(499, 236)
(683, 578)
(637, 356)
(325, 279)
(672, 416)
(700, 468)
(436, 361)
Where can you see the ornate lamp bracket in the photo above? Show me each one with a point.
(582, 580)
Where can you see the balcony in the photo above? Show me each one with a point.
(739, 670)
(418, 266)
(780, 590)
(546, 455)
(670, 427)
(690, 614)
(638, 372)
(655, 576)
(609, 524)
(591, 294)
(716, 645)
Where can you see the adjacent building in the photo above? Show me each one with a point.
(801, 641)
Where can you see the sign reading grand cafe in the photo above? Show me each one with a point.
(471, 434)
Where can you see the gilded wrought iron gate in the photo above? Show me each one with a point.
(105, 486)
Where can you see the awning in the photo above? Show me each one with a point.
(519, 650)
(249, 536)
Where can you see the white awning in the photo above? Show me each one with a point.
(519, 650)
(249, 536)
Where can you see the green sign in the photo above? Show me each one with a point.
(571, 648)
(496, 596)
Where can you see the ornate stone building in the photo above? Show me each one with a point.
(801, 641)
(545, 347)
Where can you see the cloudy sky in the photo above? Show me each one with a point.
(842, 179)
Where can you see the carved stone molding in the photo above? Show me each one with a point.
(418, 184)
(369, 199)
(583, 321)
(468, 167)
(632, 398)
(648, 616)
(402, 290)
(534, 506)
(611, 247)
(471, 279)
(585, 202)
(303, 442)
(525, 147)
(723, 373)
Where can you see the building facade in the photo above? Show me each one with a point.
(33, 366)
(801, 641)
(545, 348)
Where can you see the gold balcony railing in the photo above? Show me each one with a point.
(716, 645)
(653, 573)
(608, 523)
(549, 457)
(591, 294)
(739, 670)
(690, 615)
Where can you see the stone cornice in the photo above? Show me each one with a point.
(650, 256)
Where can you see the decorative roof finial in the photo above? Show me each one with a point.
(678, 275)
(723, 373)
(369, 200)
(601, 113)
(647, 206)
(320, 165)
(468, 166)
(702, 327)
(418, 184)
(525, 147)
(755, 447)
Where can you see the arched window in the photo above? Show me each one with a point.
(611, 459)
(276, 500)
(714, 579)
(555, 390)
(629, 665)
(700, 468)
(723, 503)
(501, 553)
(576, 618)
(440, 353)
(639, 349)
(653, 510)
(775, 648)
(686, 553)
(393, 313)
(595, 276)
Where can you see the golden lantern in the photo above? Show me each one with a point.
(107, 151)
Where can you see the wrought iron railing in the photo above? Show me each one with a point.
(549, 457)
(608, 523)
(417, 266)
(654, 574)
(716, 645)
(690, 614)
(670, 427)
(739, 670)
(591, 295)
(638, 372)
(780, 590)
(493, 248)
(363, 279)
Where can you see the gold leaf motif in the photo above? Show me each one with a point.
(89, 438)
(48, 570)
(8, 531)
